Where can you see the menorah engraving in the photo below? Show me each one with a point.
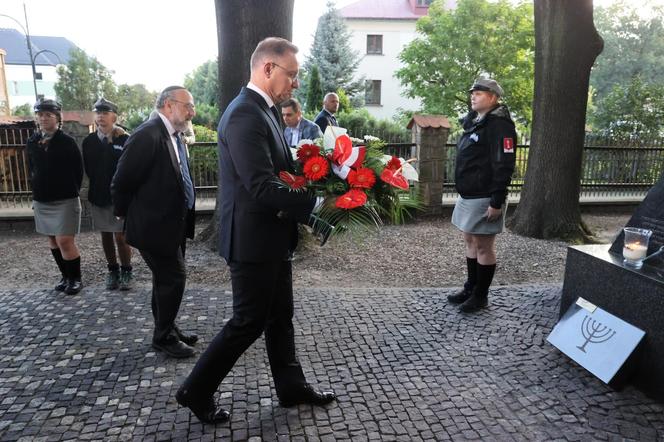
(594, 332)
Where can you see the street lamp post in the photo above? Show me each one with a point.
(27, 36)
(32, 60)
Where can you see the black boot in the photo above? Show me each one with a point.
(480, 296)
(60, 261)
(463, 295)
(113, 277)
(74, 284)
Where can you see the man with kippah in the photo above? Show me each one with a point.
(485, 162)
(101, 152)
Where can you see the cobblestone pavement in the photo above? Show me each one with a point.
(404, 363)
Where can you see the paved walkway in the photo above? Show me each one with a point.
(405, 364)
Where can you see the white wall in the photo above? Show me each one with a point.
(396, 34)
(21, 88)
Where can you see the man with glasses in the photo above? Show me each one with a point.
(256, 239)
(297, 127)
(153, 191)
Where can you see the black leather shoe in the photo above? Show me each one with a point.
(61, 286)
(460, 297)
(308, 396)
(188, 338)
(474, 303)
(206, 411)
(175, 349)
(73, 286)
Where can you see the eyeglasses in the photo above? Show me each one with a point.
(293, 77)
(189, 106)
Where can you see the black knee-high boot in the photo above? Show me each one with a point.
(60, 261)
(479, 298)
(74, 284)
(469, 285)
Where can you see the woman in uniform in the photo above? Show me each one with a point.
(56, 172)
(484, 165)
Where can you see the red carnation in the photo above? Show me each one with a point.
(394, 178)
(351, 199)
(293, 181)
(362, 177)
(394, 163)
(307, 151)
(316, 168)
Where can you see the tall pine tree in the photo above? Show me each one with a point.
(332, 54)
(314, 91)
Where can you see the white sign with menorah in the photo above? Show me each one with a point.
(594, 338)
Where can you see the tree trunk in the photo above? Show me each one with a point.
(566, 45)
(241, 24)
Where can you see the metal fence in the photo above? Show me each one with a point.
(613, 170)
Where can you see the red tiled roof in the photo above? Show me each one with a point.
(387, 9)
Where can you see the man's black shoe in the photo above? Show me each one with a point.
(460, 297)
(308, 395)
(206, 411)
(175, 349)
(73, 286)
(61, 286)
(188, 338)
(474, 303)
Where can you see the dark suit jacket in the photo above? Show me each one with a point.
(324, 119)
(147, 190)
(252, 152)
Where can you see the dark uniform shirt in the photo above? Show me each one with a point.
(56, 167)
(101, 160)
(486, 155)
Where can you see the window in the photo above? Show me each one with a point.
(424, 2)
(375, 44)
(372, 93)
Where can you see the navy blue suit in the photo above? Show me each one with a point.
(256, 241)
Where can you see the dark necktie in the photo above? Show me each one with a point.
(189, 197)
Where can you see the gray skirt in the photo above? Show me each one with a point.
(469, 216)
(56, 218)
(103, 219)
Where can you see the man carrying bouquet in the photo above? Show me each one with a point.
(255, 239)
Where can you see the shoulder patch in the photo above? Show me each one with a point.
(508, 145)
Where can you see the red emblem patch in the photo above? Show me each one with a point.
(508, 145)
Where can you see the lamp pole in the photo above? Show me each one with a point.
(27, 37)
(32, 60)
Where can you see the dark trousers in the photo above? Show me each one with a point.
(262, 302)
(168, 281)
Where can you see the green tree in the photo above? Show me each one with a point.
(479, 37)
(82, 81)
(133, 97)
(23, 110)
(633, 110)
(203, 83)
(332, 54)
(344, 101)
(314, 96)
(206, 115)
(633, 46)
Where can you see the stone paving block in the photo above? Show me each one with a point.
(404, 363)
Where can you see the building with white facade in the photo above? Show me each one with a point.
(48, 52)
(380, 30)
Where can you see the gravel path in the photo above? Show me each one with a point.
(425, 253)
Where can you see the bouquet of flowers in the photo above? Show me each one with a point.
(360, 185)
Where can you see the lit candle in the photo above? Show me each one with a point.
(634, 251)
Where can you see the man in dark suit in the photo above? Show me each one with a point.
(297, 127)
(152, 189)
(256, 238)
(326, 116)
